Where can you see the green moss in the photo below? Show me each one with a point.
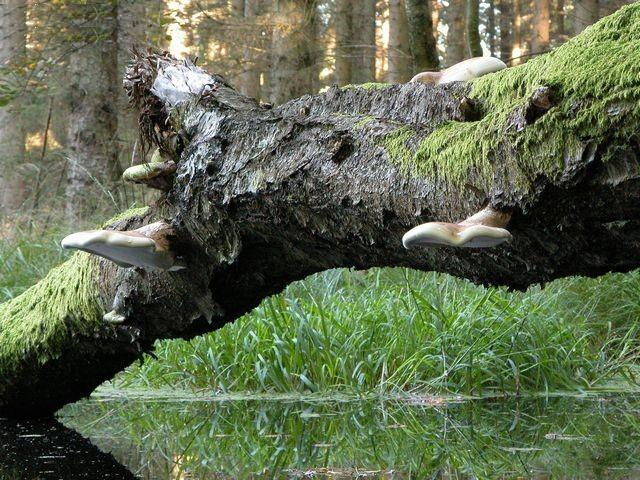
(593, 73)
(366, 119)
(36, 325)
(63, 305)
(127, 214)
(367, 86)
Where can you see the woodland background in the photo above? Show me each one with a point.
(66, 134)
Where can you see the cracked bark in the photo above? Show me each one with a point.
(263, 197)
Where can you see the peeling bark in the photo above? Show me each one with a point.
(263, 197)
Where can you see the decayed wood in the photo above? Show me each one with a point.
(265, 196)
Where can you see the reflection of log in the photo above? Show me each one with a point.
(263, 197)
(47, 449)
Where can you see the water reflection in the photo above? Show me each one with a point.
(45, 449)
(558, 437)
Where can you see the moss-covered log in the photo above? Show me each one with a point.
(265, 196)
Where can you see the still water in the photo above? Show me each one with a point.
(127, 436)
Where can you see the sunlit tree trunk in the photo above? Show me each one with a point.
(342, 23)
(491, 28)
(292, 58)
(542, 24)
(506, 34)
(454, 52)
(558, 31)
(399, 55)
(251, 65)
(93, 153)
(132, 23)
(516, 50)
(363, 64)
(12, 150)
(474, 49)
(423, 43)
(585, 12)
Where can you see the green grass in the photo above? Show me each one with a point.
(394, 331)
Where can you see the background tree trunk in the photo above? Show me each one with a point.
(292, 50)
(251, 65)
(423, 43)
(559, 33)
(506, 33)
(542, 24)
(363, 63)
(399, 56)
(12, 138)
(474, 49)
(585, 13)
(491, 28)
(456, 32)
(342, 23)
(93, 153)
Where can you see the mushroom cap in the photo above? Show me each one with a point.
(455, 235)
(126, 249)
(430, 78)
(471, 68)
(148, 171)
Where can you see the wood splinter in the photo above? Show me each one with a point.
(482, 230)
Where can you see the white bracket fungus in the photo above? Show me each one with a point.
(146, 247)
(463, 71)
(482, 230)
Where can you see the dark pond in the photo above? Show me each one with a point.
(186, 438)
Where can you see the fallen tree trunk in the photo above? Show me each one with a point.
(266, 196)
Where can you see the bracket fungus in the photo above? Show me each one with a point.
(482, 230)
(156, 175)
(461, 72)
(146, 247)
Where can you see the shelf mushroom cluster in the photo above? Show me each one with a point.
(487, 227)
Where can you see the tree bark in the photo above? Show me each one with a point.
(542, 26)
(474, 49)
(263, 197)
(292, 50)
(506, 33)
(363, 60)
(399, 56)
(421, 35)
(455, 33)
(251, 60)
(342, 24)
(559, 34)
(93, 122)
(12, 139)
(491, 28)
(585, 13)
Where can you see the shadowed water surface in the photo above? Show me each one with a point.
(167, 437)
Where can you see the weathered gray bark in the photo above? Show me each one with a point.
(399, 56)
(263, 197)
(93, 151)
(12, 151)
(455, 33)
(423, 42)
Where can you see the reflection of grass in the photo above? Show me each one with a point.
(390, 331)
(467, 440)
